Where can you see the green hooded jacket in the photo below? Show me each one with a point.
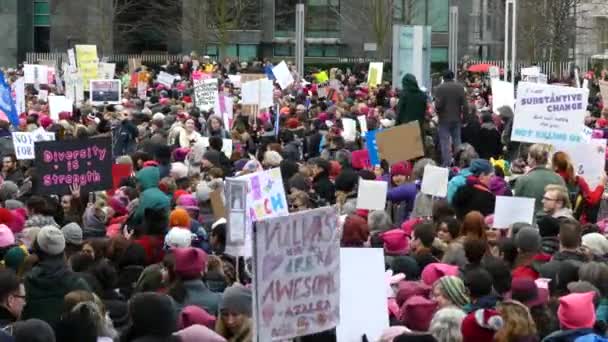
(151, 197)
(412, 102)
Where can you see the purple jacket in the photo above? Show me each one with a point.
(499, 187)
(406, 192)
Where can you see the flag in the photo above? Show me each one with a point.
(7, 104)
(276, 121)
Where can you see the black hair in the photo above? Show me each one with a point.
(500, 272)
(216, 143)
(474, 250)
(479, 282)
(425, 232)
(452, 225)
(9, 282)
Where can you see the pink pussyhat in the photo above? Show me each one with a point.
(576, 310)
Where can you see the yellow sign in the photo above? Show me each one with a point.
(374, 76)
(322, 77)
(88, 63)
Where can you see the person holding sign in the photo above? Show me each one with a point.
(476, 194)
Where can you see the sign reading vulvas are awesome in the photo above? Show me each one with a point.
(297, 274)
(86, 162)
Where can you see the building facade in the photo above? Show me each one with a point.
(335, 29)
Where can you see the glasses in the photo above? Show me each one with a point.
(545, 198)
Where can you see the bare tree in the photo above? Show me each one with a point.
(107, 12)
(229, 15)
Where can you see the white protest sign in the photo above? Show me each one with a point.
(74, 87)
(371, 195)
(142, 90)
(72, 58)
(362, 290)
(19, 89)
(586, 83)
(374, 74)
(350, 129)
(235, 80)
(503, 94)
(43, 95)
(530, 74)
(36, 74)
(226, 145)
(283, 75)
(435, 181)
(292, 252)
(494, 72)
(265, 199)
(258, 92)
(106, 71)
(549, 114)
(224, 107)
(509, 210)
(58, 104)
(205, 93)
(589, 159)
(23, 143)
(542, 78)
(165, 79)
(362, 123)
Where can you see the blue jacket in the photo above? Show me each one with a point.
(197, 293)
(568, 335)
(457, 182)
(151, 197)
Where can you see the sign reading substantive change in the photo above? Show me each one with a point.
(60, 164)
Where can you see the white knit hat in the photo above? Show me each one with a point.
(178, 238)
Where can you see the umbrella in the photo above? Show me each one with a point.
(482, 67)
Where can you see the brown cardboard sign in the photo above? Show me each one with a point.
(400, 143)
(217, 204)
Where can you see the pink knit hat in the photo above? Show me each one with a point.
(6, 236)
(396, 242)
(193, 314)
(576, 310)
(408, 289)
(432, 272)
(417, 313)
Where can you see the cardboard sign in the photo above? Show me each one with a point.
(58, 104)
(88, 63)
(165, 79)
(299, 252)
(400, 143)
(362, 272)
(589, 159)
(509, 210)
(371, 195)
(105, 91)
(87, 162)
(549, 114)
(374, 75)
(217, 204)
(435, 181)
(107, 71)
(205, 93)
(283, 75)
(503, 94)
(23, 143)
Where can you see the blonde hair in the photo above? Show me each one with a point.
(539, 153)
(562, 194)
(517, 322)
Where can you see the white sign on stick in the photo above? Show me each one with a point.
(206, 93)
(371, 194)
(509, 210)
(435, 181)
(503, 94)
(23, 143)
(283, 75)
(58, 104)
(589, 159)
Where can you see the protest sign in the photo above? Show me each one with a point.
(371, 144)
(165, 79)
(435, 181)
(349, 129)
(321, 77)
(400, 143)
(265, 199)
(74, 87)
(224, 107)
(105, 91)
(283, 75)
(71, 59)
(509, 210)
(235, 80)
(236, 197)
(87, 162)
(19, 90)
(549, 114)
(503, 94)
(604, 90)
(359, 294)
(299, 252)
(226, 145)
(205, 93)
(363, 124)
(217, 204)
(374, 75)
(589, 159)
(43, 95)
(530, 74)
(142, 90)
(58, 104)
(107, 71)
(371, 195)
(258, 92)
(36, 74)
(88, 63)
(23, 143)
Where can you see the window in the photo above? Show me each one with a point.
(316, 50)
(439, 55)
(322, 18)
(41, 13)
(244, 52)
(601, 26)
(283, 50)
(284, 17)
(423, 12)
(439, 12)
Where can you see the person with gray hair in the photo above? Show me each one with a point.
(445, 325)
(379, 221)
(423, 204)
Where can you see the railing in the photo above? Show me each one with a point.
(33, 57)
(547, 67)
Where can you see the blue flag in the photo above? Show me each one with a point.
(7, 104)
(276, 121)
(372, 148)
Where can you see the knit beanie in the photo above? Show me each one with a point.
(15, 257)
(432, 272)
(548, 226)
(596, 242)
(528, 240)
(576, 311)
(179, 218)
(237, 298)
(190, 262)
(480, 326)
(178, 238)
(452, 287)
(193, 314)
(50, 240)
(6, 236)
(72, 233)
(417, 313)
(480, 166)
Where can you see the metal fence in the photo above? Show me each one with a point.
(556, 69)
(59, 57)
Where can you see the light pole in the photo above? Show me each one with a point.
(513, 4)
(299, 39)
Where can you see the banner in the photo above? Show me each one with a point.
(19, 89)
(8, 111)
(297, 274)
(105, 91)
(60, 164)
(88, 63)
(206, 93)
(549, 114)
(374, 75)
(23, 143)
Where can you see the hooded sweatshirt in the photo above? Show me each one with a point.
(151, 196)
(412, 102)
